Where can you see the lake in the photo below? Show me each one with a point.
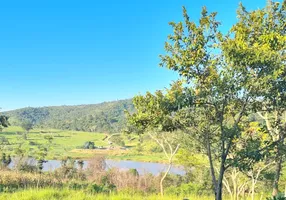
(142, 167)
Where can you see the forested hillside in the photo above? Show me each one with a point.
(104, 117)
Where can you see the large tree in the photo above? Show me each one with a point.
(224, 73)
(258, 45)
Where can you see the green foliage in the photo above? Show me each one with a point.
(154, 148)
(68, 169)
(5, 160)
(139, 148)
(3, 122)
(229, 76)
(88, 145)
(230, 102)
(191, 160)
(4, 140)
(117, 139)
(105, 188)
(134, 172)
(256, 44)
(105, 117)
(186, 189)
(280, 196)
(155, 112)
(27, 125)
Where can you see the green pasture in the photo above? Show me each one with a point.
(69, 143)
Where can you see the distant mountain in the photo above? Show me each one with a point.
(104, 117)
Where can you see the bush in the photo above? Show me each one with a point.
(32, 143)
(186, 189)
(154, 148)
(139, 148)
(74, 185)
(117, 140)
(11, 181)
(68, 170)
(280, 196)
(134, 172)
(104, 188)
(5, 160)
(96, 168)
(25, 164)
(88, 145)
(4, 140)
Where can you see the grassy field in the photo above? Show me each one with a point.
(66, 194)
(69, 143)
(53, 194)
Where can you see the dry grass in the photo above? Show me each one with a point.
(17, 180)
(114, 151)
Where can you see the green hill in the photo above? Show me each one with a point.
(104, 117)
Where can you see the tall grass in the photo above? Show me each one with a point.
(12, 180)
(55, 194)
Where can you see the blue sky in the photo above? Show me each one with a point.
(80, 52)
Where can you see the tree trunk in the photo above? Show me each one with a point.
(219, 185)
(253, 189)
(163, 178)
(221, 174)
(211, 166)
(278, 167)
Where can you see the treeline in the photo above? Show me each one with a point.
(104, 117)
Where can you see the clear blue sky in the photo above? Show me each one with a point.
(63, 52)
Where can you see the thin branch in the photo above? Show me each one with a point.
(161, 144)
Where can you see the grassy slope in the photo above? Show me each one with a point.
(66, 143)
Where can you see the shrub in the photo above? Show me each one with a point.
(11, 180)
(280, 196)
(134, 172)
(25, 164)
(75, 185)
(4, 140)
(88, 145)
(5, 160)
(154, 148)
(68, 170)
(121, 179)
(117, 140)
(139, 148)
(32, 143)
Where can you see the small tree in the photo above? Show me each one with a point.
(235, 183)
(27, 126)
(170, 147)
(5, 160)
(116, 139)
(156, 116)
(3, 122)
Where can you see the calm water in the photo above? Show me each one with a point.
(142, 167)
